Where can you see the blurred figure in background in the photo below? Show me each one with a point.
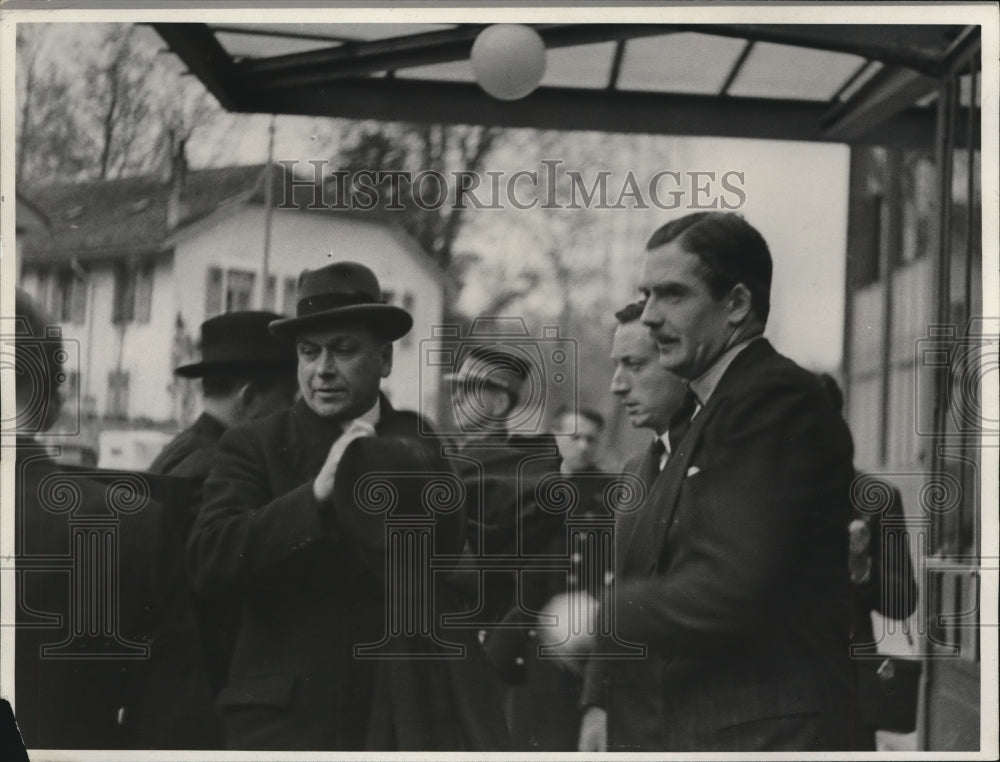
(578, 435)
(881, 579)
(543, 705)
(486, 393)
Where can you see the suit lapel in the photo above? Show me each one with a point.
(646, 533)
(654, 515)
(669, 487)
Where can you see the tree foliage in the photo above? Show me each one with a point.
(399, 147)
(99, 103)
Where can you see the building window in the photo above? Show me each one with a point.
(229, 291)
(270, 293)
(117, 406)
(143, 293)
(290, 300)
(239, 290)
(124, 304)
(69, 298)
(133, 293)
(213, 292)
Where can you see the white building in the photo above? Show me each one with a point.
(132, 267)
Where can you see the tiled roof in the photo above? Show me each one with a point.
(108, 218)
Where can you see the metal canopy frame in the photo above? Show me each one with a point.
(354, 78)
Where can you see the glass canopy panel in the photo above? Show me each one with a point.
(241, 46)
(587, 66)
(965, 87)
(341, 32)
(871, 69)
(786, 71)
(687, 62)
(453, 71)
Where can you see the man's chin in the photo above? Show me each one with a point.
(330, 410)
(671, 360)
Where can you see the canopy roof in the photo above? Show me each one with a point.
(843, 83)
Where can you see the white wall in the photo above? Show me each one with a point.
(95, 345)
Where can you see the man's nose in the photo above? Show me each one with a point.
(649, 315)
(327, 366)
(618, 385)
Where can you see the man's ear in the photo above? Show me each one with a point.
(740, 304)
(247, 396)
(386, 359)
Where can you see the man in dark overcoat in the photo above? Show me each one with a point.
(268, 533)
(733, 573)
(245, 373)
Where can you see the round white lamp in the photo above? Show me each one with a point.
(508, 60)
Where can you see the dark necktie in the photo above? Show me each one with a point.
(681, 420)
(651, 463)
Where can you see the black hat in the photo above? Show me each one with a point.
(239, 340)
(493, 365)
(401, 479)
(338, 292)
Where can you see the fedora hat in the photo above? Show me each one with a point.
(492, 365)
(343, 291)
(239, 340)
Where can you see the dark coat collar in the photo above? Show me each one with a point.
(734, 378)
(311, 436)
(210, 426)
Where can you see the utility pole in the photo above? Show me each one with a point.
(268, 213)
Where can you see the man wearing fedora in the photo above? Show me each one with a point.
(246, 373)
(269, 531)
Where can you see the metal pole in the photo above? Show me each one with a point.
(268, 213)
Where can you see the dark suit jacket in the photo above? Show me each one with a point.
(309, 596)
(177, 696)
(67, 699)
(506, 516)
(734, 575)
(189, 455)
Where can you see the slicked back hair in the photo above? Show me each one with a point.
(731, 251)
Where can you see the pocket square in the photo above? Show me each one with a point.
(692, 471)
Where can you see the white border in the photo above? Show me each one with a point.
(985, 14)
